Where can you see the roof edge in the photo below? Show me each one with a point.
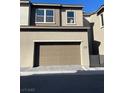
(101, 7)
(59, 5)
(24, 1)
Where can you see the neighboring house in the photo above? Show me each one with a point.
(96, 34)
(54, 34)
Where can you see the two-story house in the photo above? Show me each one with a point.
(53, 35)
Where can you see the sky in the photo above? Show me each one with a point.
(89, 5)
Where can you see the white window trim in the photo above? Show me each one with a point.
(101, 26)
(45, 16)
(67, 17)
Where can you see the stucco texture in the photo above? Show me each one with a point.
(28, 40)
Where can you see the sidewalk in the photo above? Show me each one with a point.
(74, 69)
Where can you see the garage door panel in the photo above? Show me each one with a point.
(60, 54)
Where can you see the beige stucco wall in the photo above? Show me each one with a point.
(98, 31)
(60, 16)
(24, 15)
(78, 17)
(28, 39)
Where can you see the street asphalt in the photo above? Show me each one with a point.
(80, 82)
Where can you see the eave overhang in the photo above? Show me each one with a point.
(24, 1)
(101, 7)
(58, 5)
(54, 29)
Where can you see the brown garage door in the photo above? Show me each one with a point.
(60, 54)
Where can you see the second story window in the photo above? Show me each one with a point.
(70, 17)
(44, 16)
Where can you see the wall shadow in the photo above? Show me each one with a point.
(96, 60)
(86, 23)
(95, 44)
(36, 54)
(95, 47)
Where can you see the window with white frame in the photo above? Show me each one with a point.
(44, 15)
(70, 17)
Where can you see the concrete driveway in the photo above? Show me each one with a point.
(80, 82)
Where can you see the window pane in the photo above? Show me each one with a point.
(70, 14)
(49, 19)
(39, 19)
(49, 12)
(40, 12)
(70, 20)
